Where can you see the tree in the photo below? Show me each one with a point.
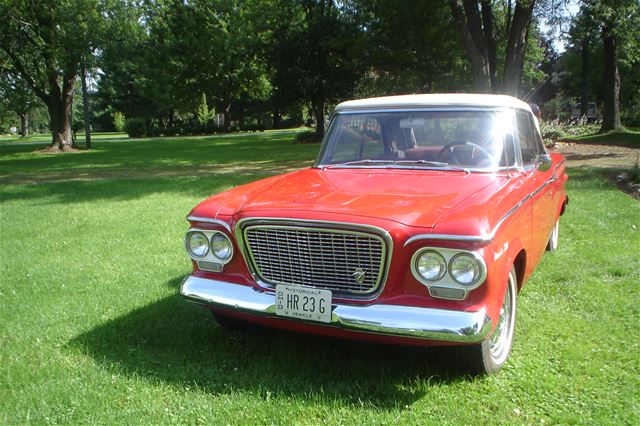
(319, 53)
(45, 45)
(226, 66)
(400, 49)
(615, 17)
(16, 96)
(118, 121)
(127, 81)
(476, 23)
(202, 112)
(614, 22)
(582, 34)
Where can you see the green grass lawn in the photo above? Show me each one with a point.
(630, 138)
(193, 156)
(93, 330)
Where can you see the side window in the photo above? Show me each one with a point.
(509, 155)
(538, 137)
(528, 140)
(349, 135)
(372, 145)
(359, 138)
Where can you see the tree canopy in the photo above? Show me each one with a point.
(217, 65)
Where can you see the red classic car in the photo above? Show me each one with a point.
(418, 224)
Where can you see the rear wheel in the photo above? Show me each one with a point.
(554, 238)
(489, 356)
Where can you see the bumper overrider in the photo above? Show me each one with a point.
(389, 320)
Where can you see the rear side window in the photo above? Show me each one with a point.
(530, 146)
(360, 138)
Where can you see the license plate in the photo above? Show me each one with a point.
(303, 303)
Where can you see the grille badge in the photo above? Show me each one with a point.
(358, 275)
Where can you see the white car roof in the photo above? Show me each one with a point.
(433, 100)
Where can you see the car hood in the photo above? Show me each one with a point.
(410, 197)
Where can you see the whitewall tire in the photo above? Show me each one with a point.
(554, 238)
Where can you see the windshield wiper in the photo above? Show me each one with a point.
(360, 162)
(428, 163)
(392, 163)
(434, 163)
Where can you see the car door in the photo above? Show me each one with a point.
(541, 191)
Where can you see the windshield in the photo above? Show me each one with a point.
(454, 139)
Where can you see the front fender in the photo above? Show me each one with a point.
(507, 253)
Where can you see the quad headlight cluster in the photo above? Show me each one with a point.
(209, 246)
(448, 273)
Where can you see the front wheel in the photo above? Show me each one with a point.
(489, 356)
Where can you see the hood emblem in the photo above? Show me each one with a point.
(358, 275)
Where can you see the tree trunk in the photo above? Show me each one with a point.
(85, 108)
(227, 117)
(490, 41)
(24, 124)
(59, 105)
(277, 118)
(584, 76)
(611, 113)
(470, 30)
(318, 110)
(514, 58)
(60, 121)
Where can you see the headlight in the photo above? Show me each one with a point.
(431, 265)
(221, 247)
(197, 244)
(465, 269)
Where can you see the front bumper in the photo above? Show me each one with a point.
(389, 320)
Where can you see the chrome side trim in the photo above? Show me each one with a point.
(389, 320)
(209, 220)
(346, 226)
(483, 238)
(447, 237)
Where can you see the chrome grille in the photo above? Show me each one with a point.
(322, 258)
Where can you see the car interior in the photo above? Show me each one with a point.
(468, 139)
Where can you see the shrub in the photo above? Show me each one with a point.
(634, 174)
(203, 115)
(77, 126)
(308, 137)
(118, 121)
(554, 130)
(134, 127)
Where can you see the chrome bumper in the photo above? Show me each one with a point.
(390, 320)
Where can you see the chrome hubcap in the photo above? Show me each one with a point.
(500, 341)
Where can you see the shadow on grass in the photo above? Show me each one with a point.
(125, 189)
(579, 157)
(159, 153)
(179, 343)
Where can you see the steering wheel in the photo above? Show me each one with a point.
(448, 148)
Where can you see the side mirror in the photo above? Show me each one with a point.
(544, 162)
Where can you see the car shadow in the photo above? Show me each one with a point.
(180, 343)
